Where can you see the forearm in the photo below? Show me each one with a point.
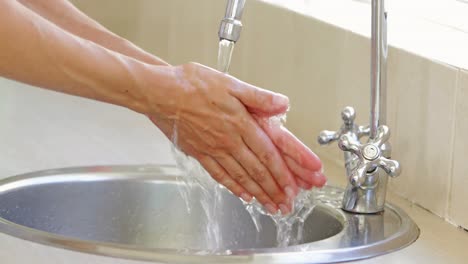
(35, 51)
(65, 15)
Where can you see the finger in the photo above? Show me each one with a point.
(261, 175)
(315, 178)
(290, 145)
(261, 145)
(219, 174)
(304, 185)
(259, 100)
(238, 174)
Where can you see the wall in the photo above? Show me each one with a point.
(322, 68)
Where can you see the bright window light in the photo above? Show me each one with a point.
(450, 13)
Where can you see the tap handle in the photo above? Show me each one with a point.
(348, 115)
(326, 137)
(370, 156)
(363, 131)
(350, 144)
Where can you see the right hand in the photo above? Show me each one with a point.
(210, 111)
(303, 163)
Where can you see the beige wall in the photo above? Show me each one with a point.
(322, 69)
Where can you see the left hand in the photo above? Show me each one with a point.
(303, 163)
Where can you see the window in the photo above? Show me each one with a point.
(449, 13)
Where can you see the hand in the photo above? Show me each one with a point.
(210, 113)
(302, 162)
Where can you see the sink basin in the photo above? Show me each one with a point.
(137, 212)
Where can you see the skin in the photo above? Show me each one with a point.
(65, 15)
(220, 120)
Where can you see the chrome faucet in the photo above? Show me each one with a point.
(231, 25)
(367, 164)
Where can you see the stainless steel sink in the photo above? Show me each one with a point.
(137, 212)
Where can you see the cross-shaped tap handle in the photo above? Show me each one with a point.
(370, 156)
(348, 115)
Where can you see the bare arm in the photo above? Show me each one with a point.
(36, 51)
(302, 162)
(65, 15)
(209, 108)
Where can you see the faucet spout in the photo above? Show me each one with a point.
(231, 25)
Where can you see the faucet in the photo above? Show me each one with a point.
(231, 25)
(367, 165)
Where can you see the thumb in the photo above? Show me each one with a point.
(260, 101)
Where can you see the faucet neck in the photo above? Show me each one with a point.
(379, 55)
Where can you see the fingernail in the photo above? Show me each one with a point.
(284, 209)
(280, 99)
(318, 174)
(321, 178)
(290, 192)
(323, 182)
(246, 197)
(271, 208)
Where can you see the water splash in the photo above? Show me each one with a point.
(286, 235)
(304, 202)
(195, 177)
(208, 194)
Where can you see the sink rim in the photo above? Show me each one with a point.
(323, 251)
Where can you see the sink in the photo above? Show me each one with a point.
(137, 212)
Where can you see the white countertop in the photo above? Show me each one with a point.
(42, 130)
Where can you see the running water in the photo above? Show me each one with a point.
(225, 50)
(195, 176)
(197, 180)
(304, 202)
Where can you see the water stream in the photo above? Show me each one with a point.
(194, 175)
(304, 202)
(225, 50)
(199, 187)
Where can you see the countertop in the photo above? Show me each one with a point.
(41, 130)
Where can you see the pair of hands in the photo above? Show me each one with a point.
(221, 121)
(224, 124)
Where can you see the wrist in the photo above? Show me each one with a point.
(158, 89)
(127, 48)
